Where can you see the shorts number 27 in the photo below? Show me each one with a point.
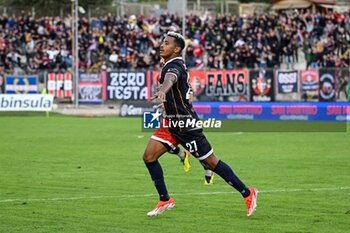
(192, 146)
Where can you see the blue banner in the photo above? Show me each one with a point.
(21, 84)
(332, 111)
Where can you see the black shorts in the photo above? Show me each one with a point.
(195, 142)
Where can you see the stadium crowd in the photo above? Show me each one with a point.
(28, 45)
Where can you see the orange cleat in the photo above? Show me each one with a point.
(251, 201)
(161, 207)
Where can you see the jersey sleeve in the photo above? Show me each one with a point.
(173, 70)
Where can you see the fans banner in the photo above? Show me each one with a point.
(34, 102)
(342, 84)
(21, 84)
(127, 86)
(214, 85)
(60, 85)
(227, 83)
(261, 85)
(327, 85)
(309, 85)
(90, 88)
(90, 93)
(287, 82)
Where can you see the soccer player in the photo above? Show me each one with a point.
(174, 93)
(182, 154)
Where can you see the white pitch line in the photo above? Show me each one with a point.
(173, 194)
(55, 199)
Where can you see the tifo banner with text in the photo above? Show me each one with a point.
(90, 93)
(287, 85)
(261, 85)
(287, 82)
(127, 86)
(283, 111)
(90, 88)
(34, 102)
(60, 85)
(21, 84)
(309, 85)
(226, 83)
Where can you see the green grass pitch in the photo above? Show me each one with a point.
(72, 174)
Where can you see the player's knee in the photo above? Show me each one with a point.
(148, 157)
(211, 162)
(209, 165)
(204, 164)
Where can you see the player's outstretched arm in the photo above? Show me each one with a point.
(169, 80)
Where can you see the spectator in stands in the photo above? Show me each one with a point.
(315, 60)
(308, 57)
(222, 41)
